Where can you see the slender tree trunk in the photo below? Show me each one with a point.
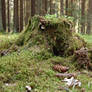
(83, 16)
(27, 11)
(8, 14)
(16, 16)
(44, 7)
(61, 7)
(4, 14)
(50, 3)
(89, 17)
(32, 8)
(1, 25)
(72, 7)
(67, 7)
(21, 16)
(52, 7)
(38, 7)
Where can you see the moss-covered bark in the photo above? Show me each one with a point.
(52, 34)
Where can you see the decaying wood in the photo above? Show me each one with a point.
(66, 75)
(7, 51)
(42, 24)
(4, 52)
(82, 58)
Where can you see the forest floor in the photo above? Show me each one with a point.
(24, 68)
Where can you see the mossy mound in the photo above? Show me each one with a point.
(54, 35)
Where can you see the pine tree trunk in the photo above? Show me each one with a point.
(61, 7)
(1, 25)
(67, 7)
(21, 16)
(4, 14)
(16, 16)
(83, 16)
(44, 7)
(50, 3)
(27, 11)
(32, 8)
(38, 7)
(89, 17)
(8, 14)
(72, 7)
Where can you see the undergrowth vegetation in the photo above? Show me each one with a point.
(6, 40)
(88, 39)
(26, 67)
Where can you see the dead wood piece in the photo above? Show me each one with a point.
(3, 52)
(42, 24)
(9, 50)
(60, 88)
(66, 75)
(43, 20)
(82, 58)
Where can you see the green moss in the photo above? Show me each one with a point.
(6, 40)
(57, 37)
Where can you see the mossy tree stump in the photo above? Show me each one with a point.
(55, 35)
